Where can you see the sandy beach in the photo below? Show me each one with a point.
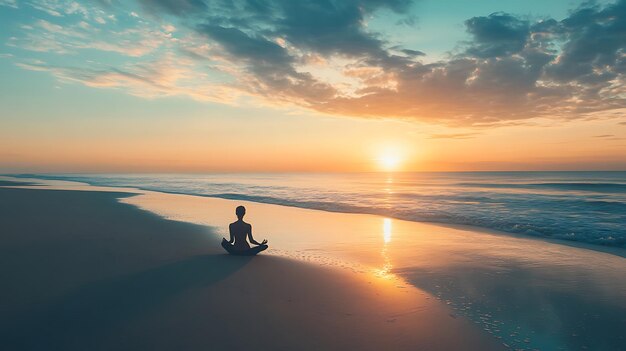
(82, 271)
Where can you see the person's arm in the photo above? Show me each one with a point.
(232, 237)
(251, 239)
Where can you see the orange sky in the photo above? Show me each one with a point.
(292, 141)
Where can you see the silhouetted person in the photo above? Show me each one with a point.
(240, 231)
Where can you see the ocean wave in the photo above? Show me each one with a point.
(595, 187)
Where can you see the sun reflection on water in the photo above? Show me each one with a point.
(385, 271)
(389, 185)
(387, 230)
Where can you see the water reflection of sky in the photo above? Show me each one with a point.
(530, 294)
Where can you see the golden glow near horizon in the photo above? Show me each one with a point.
(204, 143)
(389, 159)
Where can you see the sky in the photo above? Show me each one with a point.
(312, 85)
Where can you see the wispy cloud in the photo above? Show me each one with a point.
(9, 3)
(60, 8)
(609, 137)
(45, 36)
(454, 136)
(161, 77)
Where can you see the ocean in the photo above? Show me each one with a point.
(587, 207)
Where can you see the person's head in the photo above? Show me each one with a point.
(240, 211)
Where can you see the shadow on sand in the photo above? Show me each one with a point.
(94, 310)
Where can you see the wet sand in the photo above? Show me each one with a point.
(82, 271)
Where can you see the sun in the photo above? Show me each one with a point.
(389, 162)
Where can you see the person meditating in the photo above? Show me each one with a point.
(239, 232)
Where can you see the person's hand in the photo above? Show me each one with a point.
(264, 242)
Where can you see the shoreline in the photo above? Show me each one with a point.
(98, 274)
(612, 250)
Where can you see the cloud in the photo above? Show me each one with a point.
(269, 65)
(9, 3)
(326, 27)
(498, 34)
(321, 55)
(513, 68)
(254, 49)
(453, 136)
(509, 75)
(175, 7)
(45, 36)
(329, 27)
(162, 77)
(411, 52)
(609, 137)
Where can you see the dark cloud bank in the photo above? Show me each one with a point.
(513, 68)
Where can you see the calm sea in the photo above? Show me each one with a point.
(580, 206)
